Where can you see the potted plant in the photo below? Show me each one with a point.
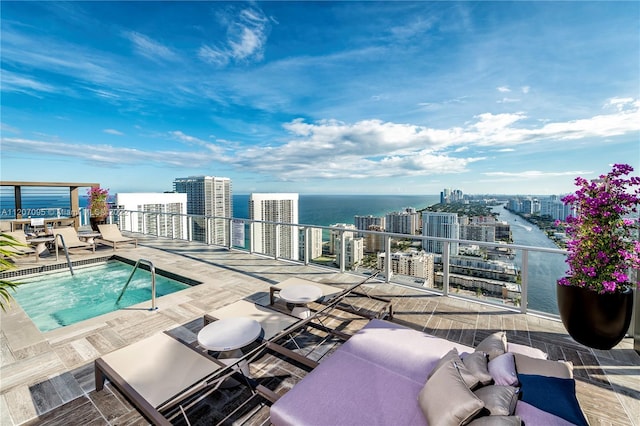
(98, 206)
(595, 298)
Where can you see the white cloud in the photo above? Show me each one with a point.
(150, 48)
(620, 103)
(192, 140)
(331, 149)
(105, 155)
(536, 174)
(508, 100)
(113, 132)
(504, 89)
(12, 82)
(525, 89)
(246, 39)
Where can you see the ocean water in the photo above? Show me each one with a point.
(320, 210)
(325, 210)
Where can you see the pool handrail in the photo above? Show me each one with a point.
(66, 252)
(152, 269)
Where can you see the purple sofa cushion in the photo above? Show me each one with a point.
(405, 351)
(349, 390)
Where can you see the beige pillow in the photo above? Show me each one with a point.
(445, 400)
(477, 364)
(499, 400)
(497, 421)
(493, 345)
(470, 379)
(543, 367)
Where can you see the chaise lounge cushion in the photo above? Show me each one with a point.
(477, 363)
(446, 400)
(493, 345)
(498, 400)
(467, 375)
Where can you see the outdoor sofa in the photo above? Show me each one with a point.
(387, 374)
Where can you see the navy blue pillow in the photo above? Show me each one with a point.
(553, 395)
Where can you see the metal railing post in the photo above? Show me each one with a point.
(445, 268)
(387, 258)
(307, 245)
(524, 282)
(343, 246)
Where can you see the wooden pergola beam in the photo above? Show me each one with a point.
(73, 194)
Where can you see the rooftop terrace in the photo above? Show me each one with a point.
(47, 378)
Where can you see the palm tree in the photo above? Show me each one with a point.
(6, 242)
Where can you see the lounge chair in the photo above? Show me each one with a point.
(161, 373)
(110, 235)
(155, 373)
(71, 239)
(331, 294)
(20, 237)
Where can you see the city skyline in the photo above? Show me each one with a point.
(323, 97)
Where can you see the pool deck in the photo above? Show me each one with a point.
(47, 378)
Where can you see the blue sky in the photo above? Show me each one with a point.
(322, 97)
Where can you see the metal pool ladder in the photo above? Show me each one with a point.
(66, 252)
(153, 282)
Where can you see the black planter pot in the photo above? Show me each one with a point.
(599, 321)
(95, 221)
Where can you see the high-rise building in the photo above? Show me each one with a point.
(365, 222)
(334, 236)
(444, 225)
(280, 241)
(313, 245)
(555, 208)
(374, 243)
(403, 222)
(210, 197)
(448, 196)
(139, 209)
(353, 252)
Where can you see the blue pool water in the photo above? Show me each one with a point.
(58, 299)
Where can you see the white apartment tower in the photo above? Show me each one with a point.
(444, 225)
(310, 240)
(142, 213)
(280, 241)
(413, 264)
(208, 196)
(403, 222)
(334, 236)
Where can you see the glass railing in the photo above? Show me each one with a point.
(522, 278)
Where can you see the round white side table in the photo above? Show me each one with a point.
(228, 336)
(300, 295)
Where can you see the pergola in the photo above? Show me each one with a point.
(74, 200)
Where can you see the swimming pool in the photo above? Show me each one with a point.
(59, 299)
